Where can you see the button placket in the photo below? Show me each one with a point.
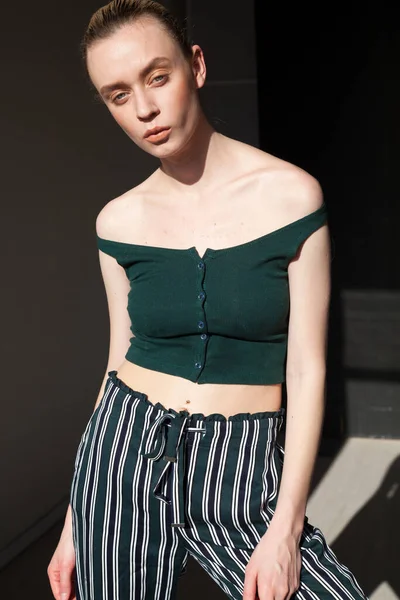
(202, 321)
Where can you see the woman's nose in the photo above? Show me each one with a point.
(145, 107)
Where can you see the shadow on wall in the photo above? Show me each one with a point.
(370, 543)
(328, 95)
(329, 104)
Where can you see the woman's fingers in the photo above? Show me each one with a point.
(250, 585)
(61, 570)
(65, 582)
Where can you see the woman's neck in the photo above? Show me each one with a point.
(198, 165)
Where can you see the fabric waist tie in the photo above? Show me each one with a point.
(164, 439)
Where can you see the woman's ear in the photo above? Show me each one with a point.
(198, 66)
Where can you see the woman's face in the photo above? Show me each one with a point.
(146, 82)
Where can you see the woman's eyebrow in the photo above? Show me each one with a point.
(155, 62)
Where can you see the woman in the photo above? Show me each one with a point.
(209, 251)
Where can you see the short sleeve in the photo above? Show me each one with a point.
(107, 246)
(307, 225)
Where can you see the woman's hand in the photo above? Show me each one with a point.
(273, 571)
(62, 566)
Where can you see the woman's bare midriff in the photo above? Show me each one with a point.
(207, 398)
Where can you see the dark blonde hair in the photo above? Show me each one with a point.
(114, 15)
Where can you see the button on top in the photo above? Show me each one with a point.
(200, 324)
(200, 265)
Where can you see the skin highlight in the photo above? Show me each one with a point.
(166, 95)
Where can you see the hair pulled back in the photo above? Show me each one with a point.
(114, 15)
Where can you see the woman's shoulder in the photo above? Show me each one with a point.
(123, 210)
(281, 185)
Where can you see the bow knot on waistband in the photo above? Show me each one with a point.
(163, 439)
(154, 439)
(163, 434)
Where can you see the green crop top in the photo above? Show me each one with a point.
(220, 318)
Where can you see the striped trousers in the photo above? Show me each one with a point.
(152, 486)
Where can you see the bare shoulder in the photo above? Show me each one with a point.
(120, 213)
(297, 191)
(282, 187)
(110, 215)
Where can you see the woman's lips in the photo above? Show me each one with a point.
(158, 137)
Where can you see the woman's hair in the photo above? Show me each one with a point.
(114, 15)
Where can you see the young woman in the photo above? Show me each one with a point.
(200, 264)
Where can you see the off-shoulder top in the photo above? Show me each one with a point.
(219, 318)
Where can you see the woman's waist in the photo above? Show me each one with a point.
(182, 394)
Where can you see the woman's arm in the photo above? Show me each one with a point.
(117, 287)
(60, 568)
(310, 286)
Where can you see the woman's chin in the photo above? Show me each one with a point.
(167, 150)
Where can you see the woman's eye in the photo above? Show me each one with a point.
(158, 76)
(157, 79)
(118, 96)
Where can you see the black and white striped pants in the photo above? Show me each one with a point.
(151, 486)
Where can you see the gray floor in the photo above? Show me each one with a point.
(355, 500)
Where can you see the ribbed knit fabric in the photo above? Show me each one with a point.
(220, 318)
